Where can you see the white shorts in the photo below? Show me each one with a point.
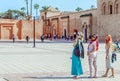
(93, 55)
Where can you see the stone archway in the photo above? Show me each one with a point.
(85, 31)
(64, 28)
(110, 7)
(104, 8)
(86, 25)
(6, 30)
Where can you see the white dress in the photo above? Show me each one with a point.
(109, 63)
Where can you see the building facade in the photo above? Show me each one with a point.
(108, 18)
(102, 20)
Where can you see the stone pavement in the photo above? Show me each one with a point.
(46, 62)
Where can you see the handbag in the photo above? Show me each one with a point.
(81, 49)
(77, 52)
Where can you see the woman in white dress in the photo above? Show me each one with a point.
(109, 49)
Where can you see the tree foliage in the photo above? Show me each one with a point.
(23, 9)
(78, 9)
(92, 6)
(45, 9)
(36, 6)
(12, 14)
(57, 8)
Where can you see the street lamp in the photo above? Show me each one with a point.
(34, 32)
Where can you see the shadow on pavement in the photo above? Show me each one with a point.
(60, 77)
(50, 77)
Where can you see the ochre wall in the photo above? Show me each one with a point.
(108, 23)
(20, 28)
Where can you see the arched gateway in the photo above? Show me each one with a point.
(86, 25)
(6, 30)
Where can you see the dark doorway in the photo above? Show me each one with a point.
(110, 9)
(65, 33)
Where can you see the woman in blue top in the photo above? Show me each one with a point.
(76, 69)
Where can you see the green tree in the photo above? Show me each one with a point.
(12, 14)
(23, 9)
(9, 14)
(78, 9)
(56, 8)
(92, 6)
(36, 6)
(31, 7)
(2, 14)
(45, 9)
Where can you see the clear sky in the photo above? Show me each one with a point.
(62, 5)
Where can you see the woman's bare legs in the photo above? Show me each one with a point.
(112, 76)
(106, 74)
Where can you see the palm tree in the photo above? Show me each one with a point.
(31, 8)
(45, 9)
(36, 6)
(78, 9)
(56, 8)
(23, 13)
(27, 6)
(23, 9)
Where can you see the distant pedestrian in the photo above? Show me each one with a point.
(76, 61)
(92, 56)
(109, 49)
(13, 37)
(27, 39)
(42, 38)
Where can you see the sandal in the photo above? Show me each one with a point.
(94, 76)
(104, 75)
(112, 76)
(75, 77)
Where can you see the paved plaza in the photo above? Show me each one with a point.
(47, 62)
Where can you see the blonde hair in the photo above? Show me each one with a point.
(110, 42)
(80, 34)
(108, 39)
